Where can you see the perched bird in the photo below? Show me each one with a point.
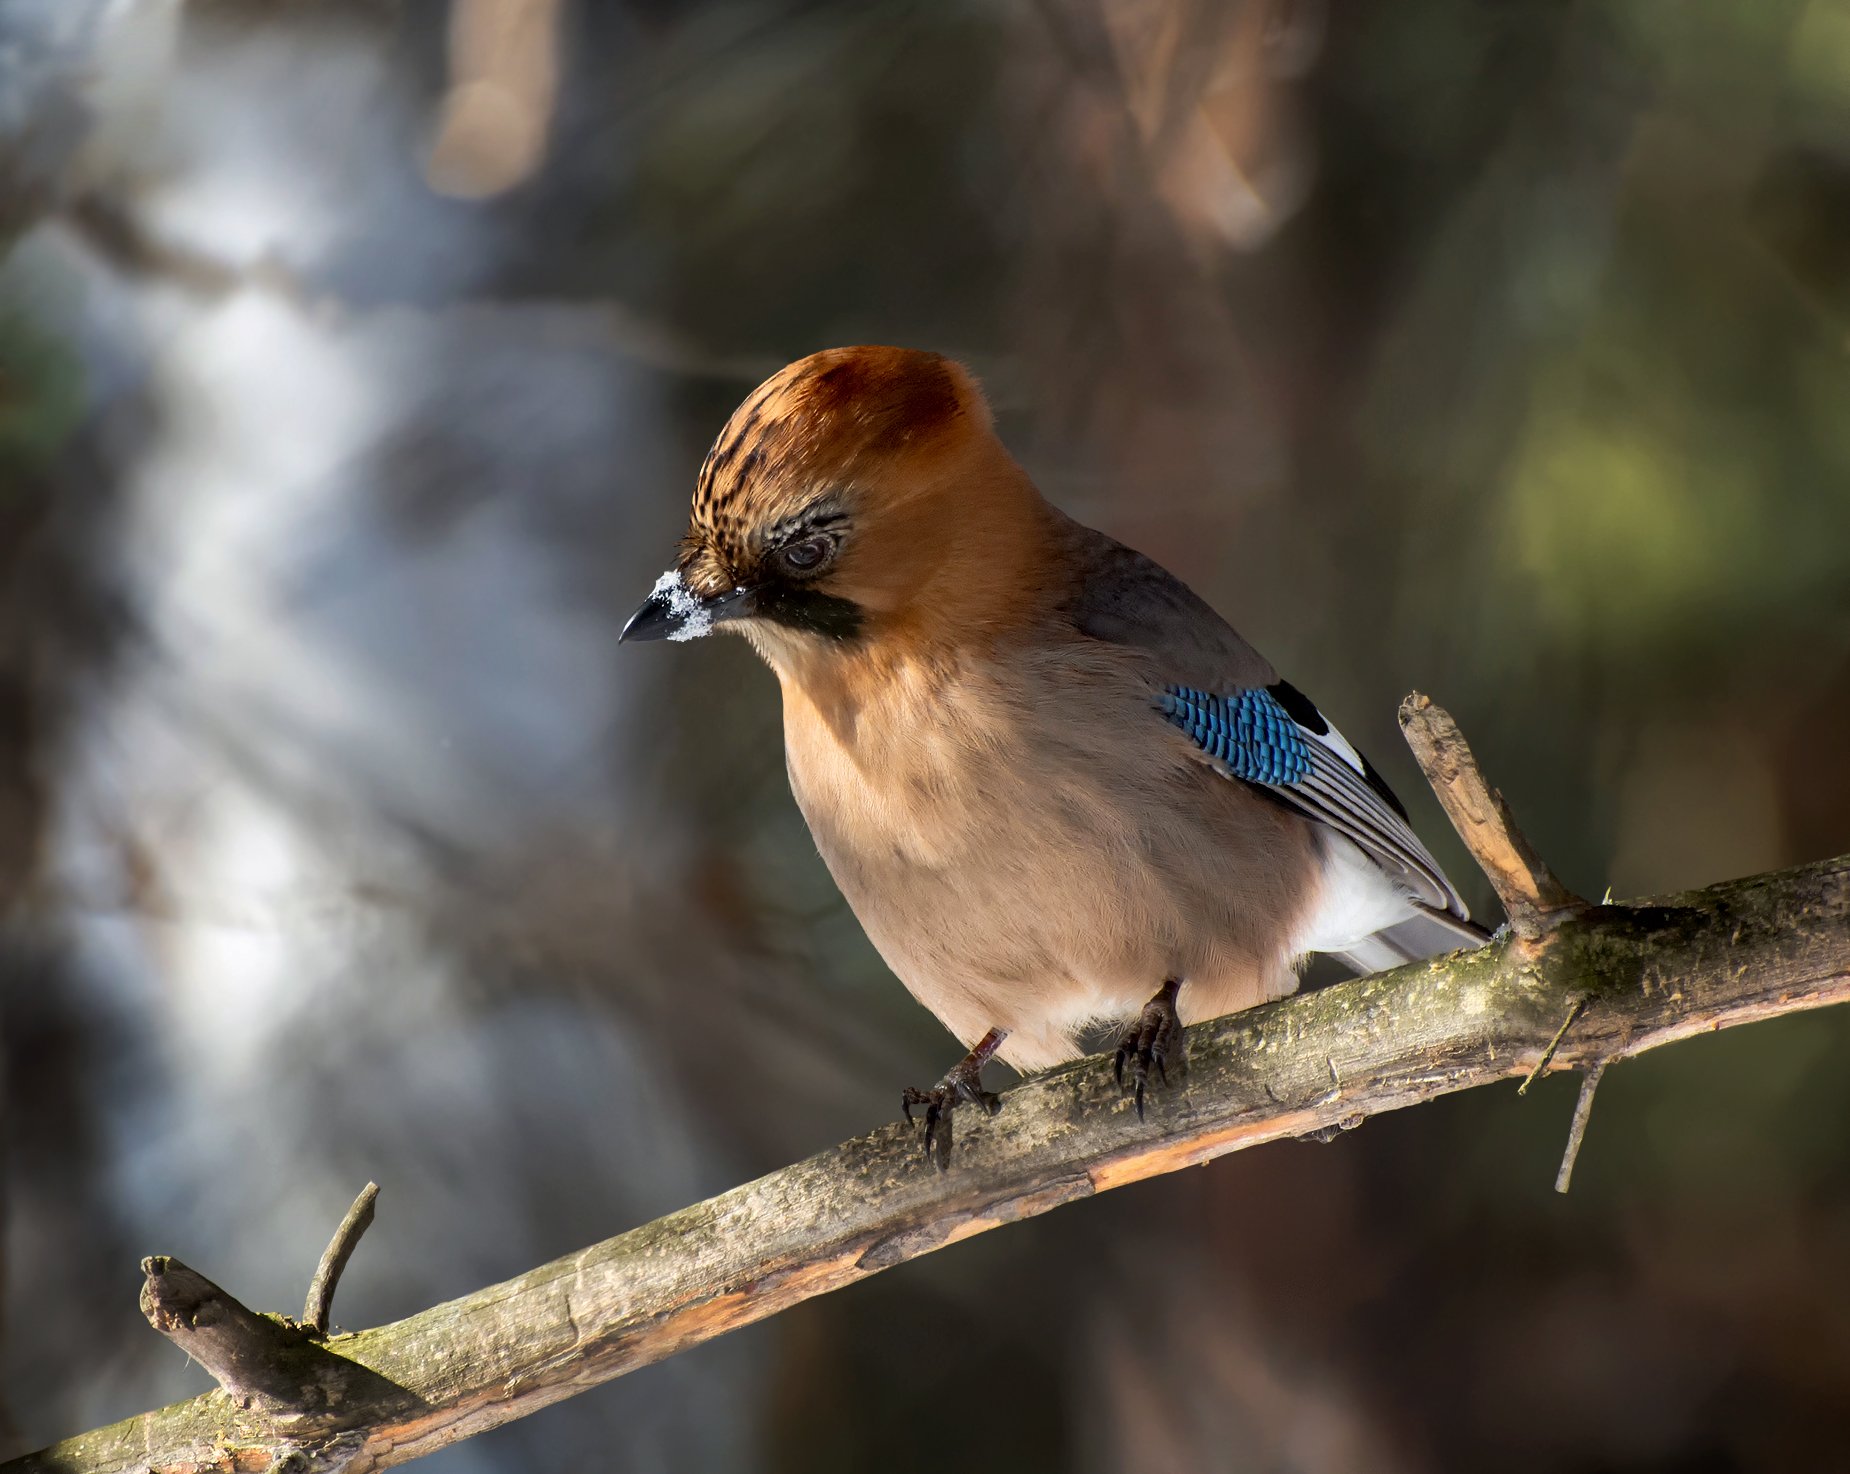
(1055, 786)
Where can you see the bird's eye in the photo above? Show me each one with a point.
(807, 555)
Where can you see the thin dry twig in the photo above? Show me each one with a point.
(1548, 1054)
(320, 1302)
(1576, 1132)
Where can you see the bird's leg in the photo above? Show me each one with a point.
(962, 1082)
(1156, 1038)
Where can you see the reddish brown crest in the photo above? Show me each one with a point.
(820, 423)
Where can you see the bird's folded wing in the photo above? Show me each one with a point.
(1250, 735)
(1246, 722)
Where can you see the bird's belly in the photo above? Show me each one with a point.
(1043, 905)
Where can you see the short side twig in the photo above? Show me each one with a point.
(268, 1365)
(1531, 895)
(245, 1352)
(1576, 1132)
(334, 1259)
(1554, 1044)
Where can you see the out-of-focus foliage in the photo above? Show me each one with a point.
(355, 362)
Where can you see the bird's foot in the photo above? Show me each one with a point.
(962, 1082)
(1156, 1041)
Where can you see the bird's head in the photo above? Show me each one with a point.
(858, 496)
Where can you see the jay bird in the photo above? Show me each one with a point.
(1055, 786)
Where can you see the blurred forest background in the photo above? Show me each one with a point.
(356, 359)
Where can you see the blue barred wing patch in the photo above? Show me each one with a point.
(1248, 731)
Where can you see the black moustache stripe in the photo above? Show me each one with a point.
(800, 608)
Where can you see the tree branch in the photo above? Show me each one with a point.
(1624, 978)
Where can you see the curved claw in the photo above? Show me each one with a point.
(962, 1083)
(938, 1135)
(1148, 1042)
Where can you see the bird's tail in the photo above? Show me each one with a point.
(1426, 933)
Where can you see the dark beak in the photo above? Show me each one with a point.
(678, 614)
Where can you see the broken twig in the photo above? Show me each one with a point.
(1532, 898)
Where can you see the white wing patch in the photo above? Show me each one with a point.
(1338, 792)
(1338, 744)
(1356, 901)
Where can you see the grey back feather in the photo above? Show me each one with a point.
(1128, 599)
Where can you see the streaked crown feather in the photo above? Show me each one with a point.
(824, 421)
